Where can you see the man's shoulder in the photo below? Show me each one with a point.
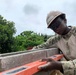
(54, 38)
(74, 29)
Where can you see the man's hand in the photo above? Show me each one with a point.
(51, 65)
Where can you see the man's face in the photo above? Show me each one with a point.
(58, 26)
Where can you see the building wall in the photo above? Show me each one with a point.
(12, 60)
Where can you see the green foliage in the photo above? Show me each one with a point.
(7, 30)
(28, 39)
(24, 41)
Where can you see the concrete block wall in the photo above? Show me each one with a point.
(12, 60)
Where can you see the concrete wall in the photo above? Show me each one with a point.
(12, 60)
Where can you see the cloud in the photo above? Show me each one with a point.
(31, 14)
(70, 10)
(30, 9)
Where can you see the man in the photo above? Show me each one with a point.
(65, 40)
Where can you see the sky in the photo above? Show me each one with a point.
(30, 15)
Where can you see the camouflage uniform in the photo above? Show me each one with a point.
(67, 44)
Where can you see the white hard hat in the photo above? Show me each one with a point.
(52, 16)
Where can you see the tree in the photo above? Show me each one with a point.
(7, 30)
(28, 39)
(24, 41)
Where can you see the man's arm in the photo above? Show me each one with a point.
(69, 67)
(51, 41)
(66, 67)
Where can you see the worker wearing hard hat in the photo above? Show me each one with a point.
(65, 40)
